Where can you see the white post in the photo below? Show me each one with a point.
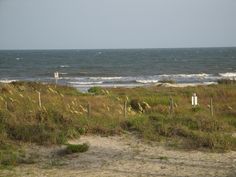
(56, 76)
(194, 100)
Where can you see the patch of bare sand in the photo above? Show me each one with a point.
(125, 155)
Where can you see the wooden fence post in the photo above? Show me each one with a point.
(171, 105)
(212, 108)
(39, 97)
(125, 109)
(89, 110)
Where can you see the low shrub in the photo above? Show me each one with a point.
(76, 148)
(96, 90)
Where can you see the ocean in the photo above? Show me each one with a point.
(118, 67)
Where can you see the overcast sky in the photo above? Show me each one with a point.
(85, 24)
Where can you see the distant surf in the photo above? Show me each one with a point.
(145, 80)
(131, 81)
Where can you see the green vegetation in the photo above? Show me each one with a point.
(76, 148)
(96, 91)
(63, 115)
(185, 127)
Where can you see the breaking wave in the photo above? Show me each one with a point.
(6, 81)
(228, 75)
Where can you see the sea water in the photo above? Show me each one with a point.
(118, 67)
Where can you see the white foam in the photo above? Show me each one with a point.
(105, 78)
(200, 75)
(228, 75)
(147, 81)
(7, 81)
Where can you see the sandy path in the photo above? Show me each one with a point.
(126, 156)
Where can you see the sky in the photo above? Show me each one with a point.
(104, 24)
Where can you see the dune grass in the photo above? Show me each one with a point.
(63, 115)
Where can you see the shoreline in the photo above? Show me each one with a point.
(85, 87)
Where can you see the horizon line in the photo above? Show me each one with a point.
(122, 48)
